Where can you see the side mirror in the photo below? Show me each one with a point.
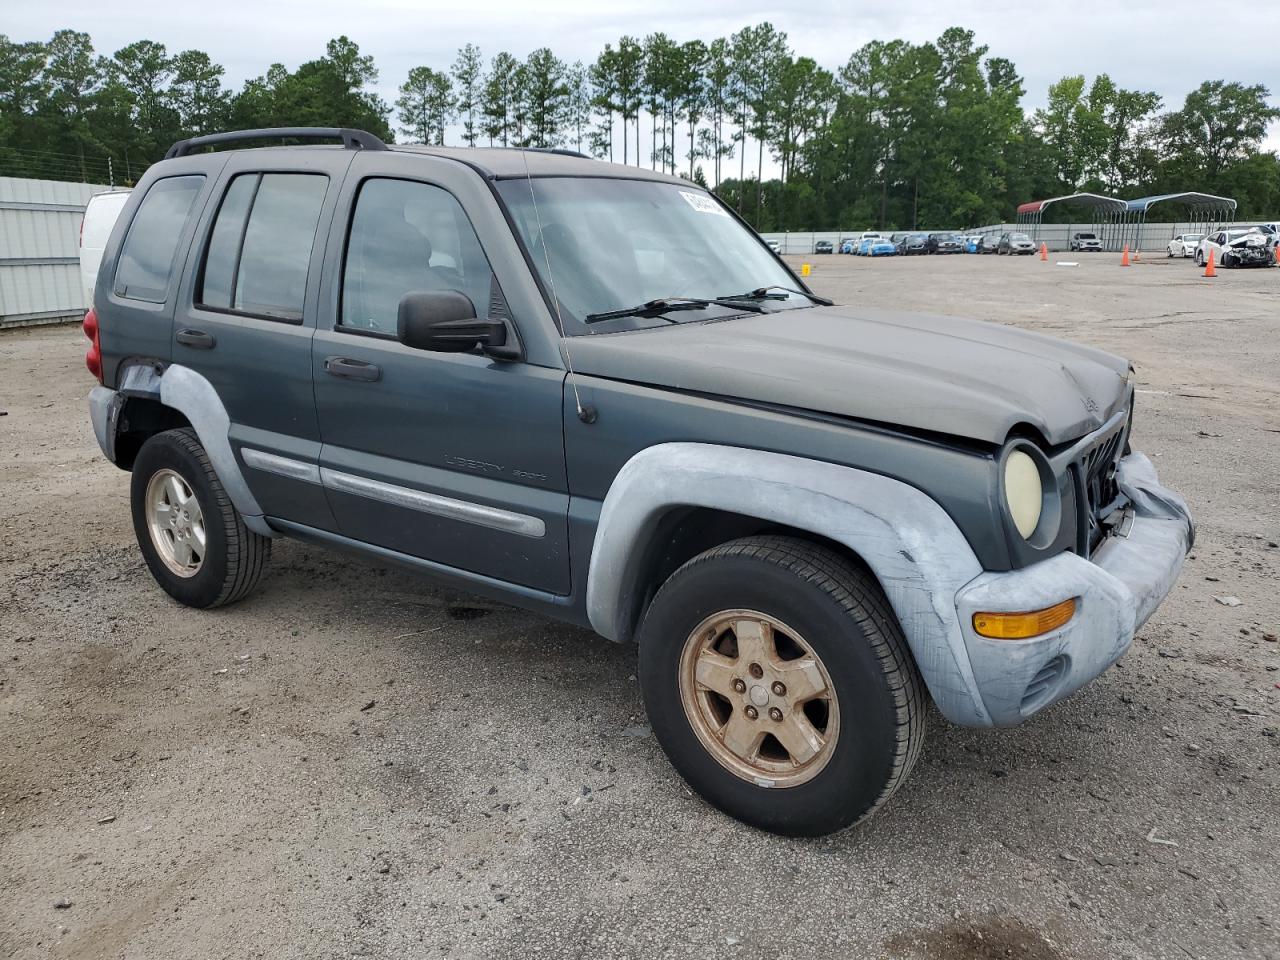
(445, 321)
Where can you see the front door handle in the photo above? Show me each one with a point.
(196, 339)
(352, 369)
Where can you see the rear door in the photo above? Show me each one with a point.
(454, 458)
(246, 316)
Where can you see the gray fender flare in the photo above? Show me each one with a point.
(195, 398)
(910, 543)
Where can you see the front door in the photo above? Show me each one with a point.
(455, 458)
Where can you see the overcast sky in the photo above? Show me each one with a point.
(1169, 46)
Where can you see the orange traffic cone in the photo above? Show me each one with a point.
(1044, 250)
(1208, 266)
(1124, 258)
(1278, 254)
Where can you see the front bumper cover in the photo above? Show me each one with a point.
(1117, 590)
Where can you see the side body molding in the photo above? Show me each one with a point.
(914, 548)
(196, 399)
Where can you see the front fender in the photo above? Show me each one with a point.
(910, 543)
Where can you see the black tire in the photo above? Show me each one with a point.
(846, 620)
(234, 557)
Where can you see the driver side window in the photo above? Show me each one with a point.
(406, 237)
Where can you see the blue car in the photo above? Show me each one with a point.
(882, 247)
(971, 244)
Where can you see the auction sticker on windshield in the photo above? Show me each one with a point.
(702, 203)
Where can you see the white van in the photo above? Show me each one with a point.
(99, 217)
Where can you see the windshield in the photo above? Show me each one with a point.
(1018, 236)
(614, 244)
(1194, 236)
(1085, 236)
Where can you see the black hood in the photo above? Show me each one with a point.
(959, 377)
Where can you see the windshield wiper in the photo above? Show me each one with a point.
(656, 308)
(763, 293)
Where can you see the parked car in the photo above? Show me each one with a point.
(100, 215)
(849, 245)
(945, 243)
(881, 247)
(1085, 243)
(971, 243)
(1015, 243)
(811, 518)
(775, 246)
(822, 246)
(988, 244)
(1237, 247)
(914, 245)
(1184, 244)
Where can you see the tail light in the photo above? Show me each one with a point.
(93, 356)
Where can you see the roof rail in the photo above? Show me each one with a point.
(351, 139)
(559, 151)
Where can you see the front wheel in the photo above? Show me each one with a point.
(778, 682)
(193, 539)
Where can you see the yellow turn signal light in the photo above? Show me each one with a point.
(1022, 626)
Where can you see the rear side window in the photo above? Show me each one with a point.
(260, 248)
(147, 257)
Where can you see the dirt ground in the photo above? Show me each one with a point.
(355, 763)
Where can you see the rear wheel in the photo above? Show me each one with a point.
(779, 684)
(193, 539)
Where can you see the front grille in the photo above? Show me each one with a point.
(1096, 472)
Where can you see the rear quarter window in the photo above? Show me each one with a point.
(151, 246)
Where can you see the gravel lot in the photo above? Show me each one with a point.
(356, 763)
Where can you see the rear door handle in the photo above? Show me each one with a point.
(352, 369)
(196, 339)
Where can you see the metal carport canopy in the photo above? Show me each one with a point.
(1083, 199)
(1192, 200)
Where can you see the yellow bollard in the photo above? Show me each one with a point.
(805, 269)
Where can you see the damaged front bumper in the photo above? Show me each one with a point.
(1249, 255)
(1116, 590)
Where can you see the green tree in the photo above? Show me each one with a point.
(425, 105)
(604, 102)
(545, 99)
(1219, 125)
(498, 98)
(73, 76)
(468, 74)
(578, 106)
(629, 83)
(196, 92)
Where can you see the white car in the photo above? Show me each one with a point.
(1184, 244)
(774, 245)
(1237, 247)
(99, 217)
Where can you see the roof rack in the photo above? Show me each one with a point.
(351, 139)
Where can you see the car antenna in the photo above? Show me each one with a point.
(586, 413)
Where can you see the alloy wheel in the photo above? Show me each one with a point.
(759, 698)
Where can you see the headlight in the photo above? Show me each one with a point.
(1023, 492)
